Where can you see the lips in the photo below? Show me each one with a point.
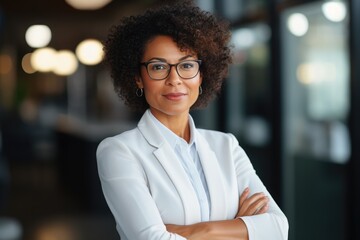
(174, 96)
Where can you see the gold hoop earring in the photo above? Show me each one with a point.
(139, 92)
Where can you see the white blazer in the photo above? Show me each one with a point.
(145, 186)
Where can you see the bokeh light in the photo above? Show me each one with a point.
(88, 4)
(66, 63)
(334, 11)
(316, 72)
(244, 38)
(90, 52)
(26, 64)
(38, 36)
(298, 24)
(6, 64)
(43, 59)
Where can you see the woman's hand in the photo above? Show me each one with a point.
(253, 205)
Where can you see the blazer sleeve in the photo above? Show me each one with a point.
(270, 225)
(125, 189)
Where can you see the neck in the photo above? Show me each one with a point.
(178, 124)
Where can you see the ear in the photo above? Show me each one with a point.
(139, 81)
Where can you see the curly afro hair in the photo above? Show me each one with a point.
(191, 28)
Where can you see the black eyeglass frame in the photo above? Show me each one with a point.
(171, 65)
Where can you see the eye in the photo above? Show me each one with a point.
(158, 66)
(187, 65)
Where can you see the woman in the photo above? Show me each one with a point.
(166, 179)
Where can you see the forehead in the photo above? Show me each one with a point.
(163, 47)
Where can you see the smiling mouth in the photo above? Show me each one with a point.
(174, 96)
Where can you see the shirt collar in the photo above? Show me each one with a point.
(171, 137)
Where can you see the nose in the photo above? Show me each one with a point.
(173, 77)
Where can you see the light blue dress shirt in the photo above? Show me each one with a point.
(189, 158)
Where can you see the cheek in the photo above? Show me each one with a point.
(196, 84)
(151, 88)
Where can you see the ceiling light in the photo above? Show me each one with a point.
(26, 64)
(88, 4)
(66, 63)
(334, 11)
(298, 24)
(90, 52)
(43, 59)
(38, 36)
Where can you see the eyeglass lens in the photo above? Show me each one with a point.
(160, 70)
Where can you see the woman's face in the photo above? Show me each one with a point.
(173, 95)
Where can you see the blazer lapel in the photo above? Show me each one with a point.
(168, 160)
(214, 179)
(181, 182)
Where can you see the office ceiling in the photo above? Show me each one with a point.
(69, 26)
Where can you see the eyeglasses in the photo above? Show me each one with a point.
(159, 70)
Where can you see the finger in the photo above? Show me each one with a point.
(262, 210)
(243, 196)
(259, 206)
(251, 204)
(254, 203)
(254, 198)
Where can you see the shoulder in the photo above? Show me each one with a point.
(119, 141)
(118, 156)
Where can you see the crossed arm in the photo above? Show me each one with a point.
(226, 229)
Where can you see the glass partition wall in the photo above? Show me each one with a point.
(248, 95)
(288, 100)
(316, 141)
(244, 107)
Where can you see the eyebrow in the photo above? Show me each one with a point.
(164, 60)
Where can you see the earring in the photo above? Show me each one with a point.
(139, 92)
(200, 90)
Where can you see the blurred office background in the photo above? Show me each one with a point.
(292, 99)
